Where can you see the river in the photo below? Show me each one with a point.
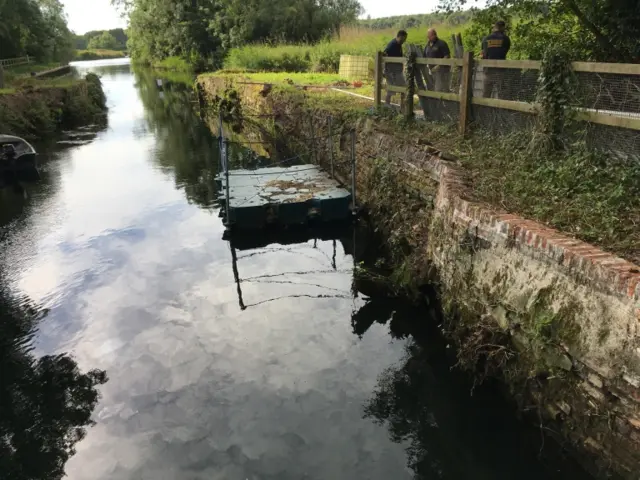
(273, 366)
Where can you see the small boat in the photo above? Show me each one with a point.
(17, 160)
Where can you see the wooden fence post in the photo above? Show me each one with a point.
(377, 92)
(1, 77)
(466, 91)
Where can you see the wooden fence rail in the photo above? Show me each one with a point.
(14, 62)
(466, 98)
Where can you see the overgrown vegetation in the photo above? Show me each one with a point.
(323, 56)
(202, 32)
(38, 109)
(595, 30)
(82, 55)
(114, 39)
(37, 28)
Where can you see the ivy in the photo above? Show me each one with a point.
(555, 98)
(411, 69)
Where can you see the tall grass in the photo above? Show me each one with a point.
(325, 55)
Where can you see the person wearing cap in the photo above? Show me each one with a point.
(495, 47)
(393, 71)
(437, 76)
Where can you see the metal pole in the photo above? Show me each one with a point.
(226, 174)
(331, 145)
(353, 168)
(221, 140)
(313, 141)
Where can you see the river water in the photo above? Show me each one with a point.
(273, 366)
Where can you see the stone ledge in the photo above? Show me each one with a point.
(609, 273)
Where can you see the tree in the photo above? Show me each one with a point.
(105, 41)
(34, 27)
(598, 30)
(202, 30)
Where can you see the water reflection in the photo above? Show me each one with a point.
(450, 432)
(185, 147)
(45, 403)
(126, 252)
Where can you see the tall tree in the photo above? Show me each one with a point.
(202, 30)
(600, 30)
(34, 27)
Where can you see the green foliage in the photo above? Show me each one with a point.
(323, 56)
(38, 108)
(555, 99)
(37, 28)
(105, 41)
(98, 54)
(594, 30)
(202, 32)
(81, 42)
(177, 64)
(589, 194)
(416, 21)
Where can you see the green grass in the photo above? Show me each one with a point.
(296, 79)
(323, 56)
(82, 55)
(173, 63)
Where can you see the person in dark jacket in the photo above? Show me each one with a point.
(437, 76)
(495, 47)
(393, 71)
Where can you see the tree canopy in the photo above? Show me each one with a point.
(34, 27)
(597, 30)
(202, 30)
(103, 41)
(82, 42)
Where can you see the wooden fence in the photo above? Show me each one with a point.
(14, 62)
(472, 75)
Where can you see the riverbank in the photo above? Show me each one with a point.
(35, 109)
(554, 317)
(83, 55)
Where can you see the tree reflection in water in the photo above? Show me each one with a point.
(427, 405)
(45, 403)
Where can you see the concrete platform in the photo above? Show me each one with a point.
(283, 195)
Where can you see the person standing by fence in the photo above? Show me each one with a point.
(495, 47)
(437, 76)
(393, 71)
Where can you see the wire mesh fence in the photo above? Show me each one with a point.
(356, 67)
(609, 92)
(513, 84)
(502, 96)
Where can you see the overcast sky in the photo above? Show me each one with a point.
(85, 15)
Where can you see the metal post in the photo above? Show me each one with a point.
(1, 77)
(331, 145)
(226, 174)
(221, 140)
(313, 141)
(353, 168)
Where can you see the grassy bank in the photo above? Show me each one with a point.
(590, 195)
(82, 55)
(39, 108)
(324, 56)
(317, 81)
(176, 64)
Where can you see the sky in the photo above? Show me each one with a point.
(86, 15)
